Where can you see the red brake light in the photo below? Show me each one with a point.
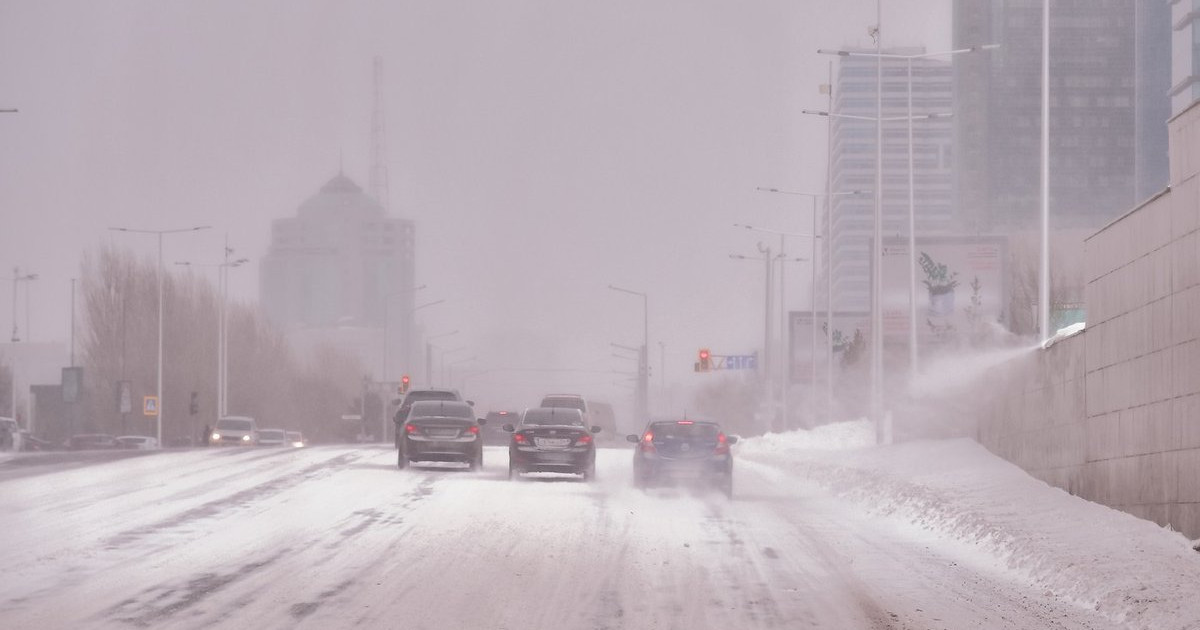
(648, 441)
(519, 438)
(584, 439)
(473, 429)
(722, 444)
(684, 422)
(408, 428)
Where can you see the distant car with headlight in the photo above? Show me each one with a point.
(296, 439)
(234, 431)
(272, 437)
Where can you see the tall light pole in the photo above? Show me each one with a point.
(450, 368)
(1044, 289)
(158, 388)
(643, 402)
(784, 358)
(387, 302)
(222, 268)
(876, 266)
(429, 355)
(912, 213)
(17, 279)
(829, 289)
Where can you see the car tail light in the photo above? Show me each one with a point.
(684, 422)
(722, 445)
(410, 429)
(648, 442)
(519, 438)
(473, 429)
(583, 439)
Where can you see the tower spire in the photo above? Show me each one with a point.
(379, 175)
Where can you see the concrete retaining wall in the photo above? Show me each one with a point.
(1113, 414)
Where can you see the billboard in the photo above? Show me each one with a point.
(848, 334)
(960, 285)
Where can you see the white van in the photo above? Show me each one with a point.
(234, 431)
(10, 435)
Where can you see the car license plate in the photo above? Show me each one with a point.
(552, 442)
(443, 433)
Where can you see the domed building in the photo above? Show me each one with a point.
(337, 263)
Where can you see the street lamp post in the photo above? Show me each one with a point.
(387, 302)
(450, 368)
(17, 279)
(429, 355)
(829, 290)
(158, 388)
(222, 268)
(876, 265)
(784, 359)
(643, 402)
(912, 221)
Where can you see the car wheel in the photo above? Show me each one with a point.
(513, 472)
(401, 460)
(589, 473)
(727, 487)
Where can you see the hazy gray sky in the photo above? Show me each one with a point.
(545, 149)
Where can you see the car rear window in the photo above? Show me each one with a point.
(271, 434)
(432, 409)
(235, 425)
(675, 430)
(413, 397)
(552, 416)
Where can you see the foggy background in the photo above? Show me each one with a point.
(544, 149)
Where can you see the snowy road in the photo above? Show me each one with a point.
(332, 537)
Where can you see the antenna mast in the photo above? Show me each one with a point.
(379, 174)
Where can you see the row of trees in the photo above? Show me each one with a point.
(266, 379)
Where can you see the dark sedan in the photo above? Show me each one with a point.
(683, 451)
(552, 439)
(441, 431)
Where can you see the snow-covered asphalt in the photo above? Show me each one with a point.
(337, 537)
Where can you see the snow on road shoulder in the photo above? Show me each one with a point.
(1128, 569)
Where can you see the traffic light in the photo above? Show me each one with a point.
(194, 407)
(705, 362)
(404, 384)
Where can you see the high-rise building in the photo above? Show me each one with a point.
(341, 262)
(854, 158)
(1109, 79)
(1185, 53)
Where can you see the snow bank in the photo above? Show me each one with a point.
(1128, 569)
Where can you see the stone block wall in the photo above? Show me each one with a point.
(1113, 414)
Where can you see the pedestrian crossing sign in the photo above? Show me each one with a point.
(150, 405)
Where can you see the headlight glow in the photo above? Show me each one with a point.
(216, 436)
(246, 438)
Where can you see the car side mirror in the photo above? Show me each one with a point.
(508, 427)
(482, 421)
(732, 439)
(595, 429)
(633, 438)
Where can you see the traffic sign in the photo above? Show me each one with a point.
(740, 362)
(150, 405)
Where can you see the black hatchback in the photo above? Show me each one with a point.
(552, 439)
(683, 451)
(441, 431)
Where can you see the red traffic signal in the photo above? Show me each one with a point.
(705, 362)
(404, 384)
